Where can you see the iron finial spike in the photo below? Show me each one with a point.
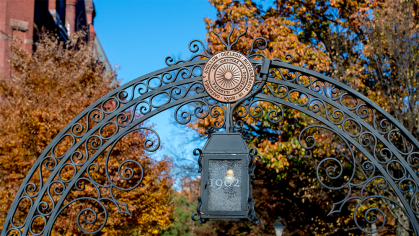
(232, 30)
(237, 39)
(219, 36)
(229, 45)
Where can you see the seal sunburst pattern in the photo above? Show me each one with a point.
(228, 76)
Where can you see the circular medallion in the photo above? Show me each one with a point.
(228, 76)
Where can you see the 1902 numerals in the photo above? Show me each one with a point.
(219, 183)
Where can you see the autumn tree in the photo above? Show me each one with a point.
(47, 90)
(185, 202)
(339, 39)
(277, 143)
(373, 46)
(392, 46)
(392, 50)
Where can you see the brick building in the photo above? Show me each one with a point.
(17, 19)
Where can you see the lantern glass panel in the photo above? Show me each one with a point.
(278, 231)
(225, 190)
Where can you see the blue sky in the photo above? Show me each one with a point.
(138, 35)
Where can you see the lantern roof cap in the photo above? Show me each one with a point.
(279, 225)
(226, 143)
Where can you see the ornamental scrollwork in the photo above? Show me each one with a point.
(368, 163)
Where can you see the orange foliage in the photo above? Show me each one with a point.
(287, 187)
(190, 188)
(48, 89)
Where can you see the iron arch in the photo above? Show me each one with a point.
(179, 86)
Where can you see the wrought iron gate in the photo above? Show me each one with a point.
(181, 86)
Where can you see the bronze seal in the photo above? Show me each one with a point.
(228, 76)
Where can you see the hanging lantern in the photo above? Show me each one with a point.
(227, 168)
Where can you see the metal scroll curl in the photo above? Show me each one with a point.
(256, 108)
(123, 109)
(194, 46)
(362, 126)
(373, 186)
(197, 216)
(202, 108)
(198, 152)
(253, 158)
(359, 124)
(129, 171)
